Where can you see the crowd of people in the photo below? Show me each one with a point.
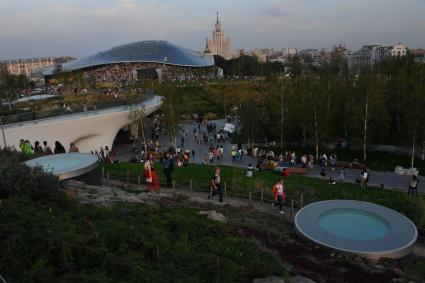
(129, 72)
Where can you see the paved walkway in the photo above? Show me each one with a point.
(390, 180)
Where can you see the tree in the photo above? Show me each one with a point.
(137, 117)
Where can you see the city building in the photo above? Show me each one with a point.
(397, 50)
(217, 44)
(369, 55)
(28, 66)
(418, 54)
(152, 60)
(312, 53)
(289, 52)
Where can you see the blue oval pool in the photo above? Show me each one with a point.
(357, 227)
(66, 165)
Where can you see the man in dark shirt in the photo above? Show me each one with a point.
(216, 185)
(168, 169)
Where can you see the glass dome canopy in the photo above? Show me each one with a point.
(151, 51)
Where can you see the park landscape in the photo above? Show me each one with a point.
(152, 162)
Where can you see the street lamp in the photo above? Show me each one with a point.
(2, 130)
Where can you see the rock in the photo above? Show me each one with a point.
(300, 279)
(74, 184)
(71, 193)
(213, 215)
(271, 279)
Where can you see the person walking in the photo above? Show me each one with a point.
(363, 178)
(341, 175)
(150, 174)
(168, 169)
(279, 195)
(413, 185)
(216, 185)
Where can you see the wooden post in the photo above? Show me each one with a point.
(191, 185)
(262, 195)
(225, 189)
(292, 209)
(301, 201)
(128, 177)
(108, 179)
(103, 171)
(139, 181)
(174, 186)
(211, 189)
(250, 197)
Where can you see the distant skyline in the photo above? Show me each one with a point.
(44, 28)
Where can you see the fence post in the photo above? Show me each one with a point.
(139, 181)
(262, 195)
(250, 198)
(225, 189)
(191, 184)
(211, 188)
(292, 209)
(128, 177)
(174, 186)
(103, 171)
(301, 201)
(108, 179)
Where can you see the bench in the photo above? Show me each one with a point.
(349, 165)
(156, 155)
(297, 170)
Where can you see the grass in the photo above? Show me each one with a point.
(312, 189)
(125, 243)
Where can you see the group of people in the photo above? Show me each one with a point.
(105, 154)
(237, 153)
(214, 154)
(44, 149)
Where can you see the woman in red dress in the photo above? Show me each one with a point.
(150, 173)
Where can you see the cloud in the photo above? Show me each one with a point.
(277, 10)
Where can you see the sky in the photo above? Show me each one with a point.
(44, 28)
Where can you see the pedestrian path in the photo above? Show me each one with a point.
(390, 180)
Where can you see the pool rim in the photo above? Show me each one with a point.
(69, 174)
(390, 253)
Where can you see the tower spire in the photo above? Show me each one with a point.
(217, 16)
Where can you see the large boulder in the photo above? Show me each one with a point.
(213, 215)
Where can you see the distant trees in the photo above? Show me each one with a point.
(384, 105)
(248, 66)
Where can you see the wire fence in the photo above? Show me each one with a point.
(260, 196)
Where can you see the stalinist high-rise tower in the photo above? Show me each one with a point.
(217, 44)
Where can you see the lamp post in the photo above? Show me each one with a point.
(2, 130)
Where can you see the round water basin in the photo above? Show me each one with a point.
(66, 165)
(357, 227)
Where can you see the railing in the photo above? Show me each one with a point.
(57, 112)
(295, 203)
(94, 109)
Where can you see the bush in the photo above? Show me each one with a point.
(18, 179)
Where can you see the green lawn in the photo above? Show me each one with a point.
(312, 189)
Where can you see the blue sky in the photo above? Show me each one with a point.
(37, 28)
